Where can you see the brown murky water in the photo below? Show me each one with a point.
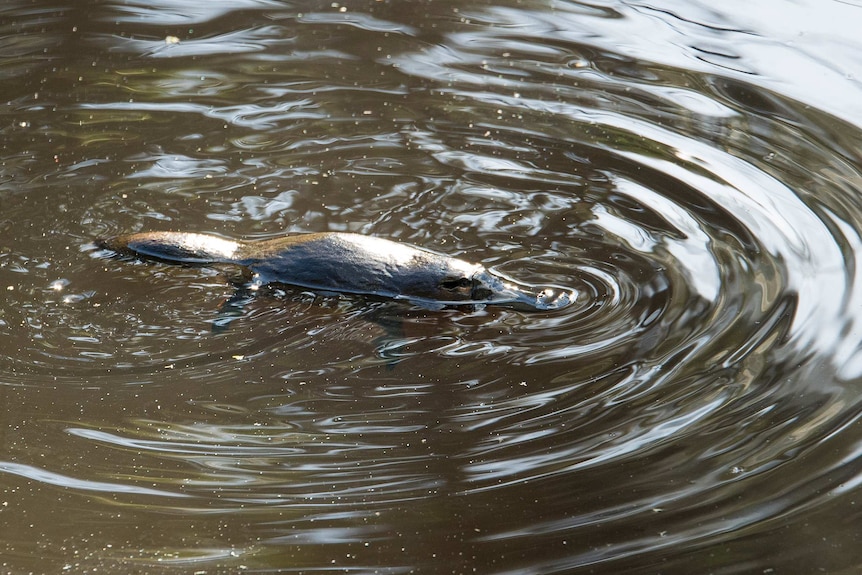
(694, 172)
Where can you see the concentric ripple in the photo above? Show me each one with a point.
(694, 410)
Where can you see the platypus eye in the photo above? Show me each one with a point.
(455, 283)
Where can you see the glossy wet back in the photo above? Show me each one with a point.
(354, 263)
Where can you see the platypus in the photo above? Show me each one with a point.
(335, 262)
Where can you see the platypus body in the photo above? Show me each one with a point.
(336, 262)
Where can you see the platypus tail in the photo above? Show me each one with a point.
(175, 247)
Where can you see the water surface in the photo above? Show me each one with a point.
(693, 172)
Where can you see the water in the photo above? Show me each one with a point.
(692, 171)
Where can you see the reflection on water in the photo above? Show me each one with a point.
(677, 165)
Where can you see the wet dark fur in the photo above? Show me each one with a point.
(344, 263)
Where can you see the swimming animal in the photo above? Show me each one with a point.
(335, 262)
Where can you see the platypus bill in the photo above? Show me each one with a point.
(346, 263)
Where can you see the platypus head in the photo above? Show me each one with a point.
(491, 289)
(475, 284)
